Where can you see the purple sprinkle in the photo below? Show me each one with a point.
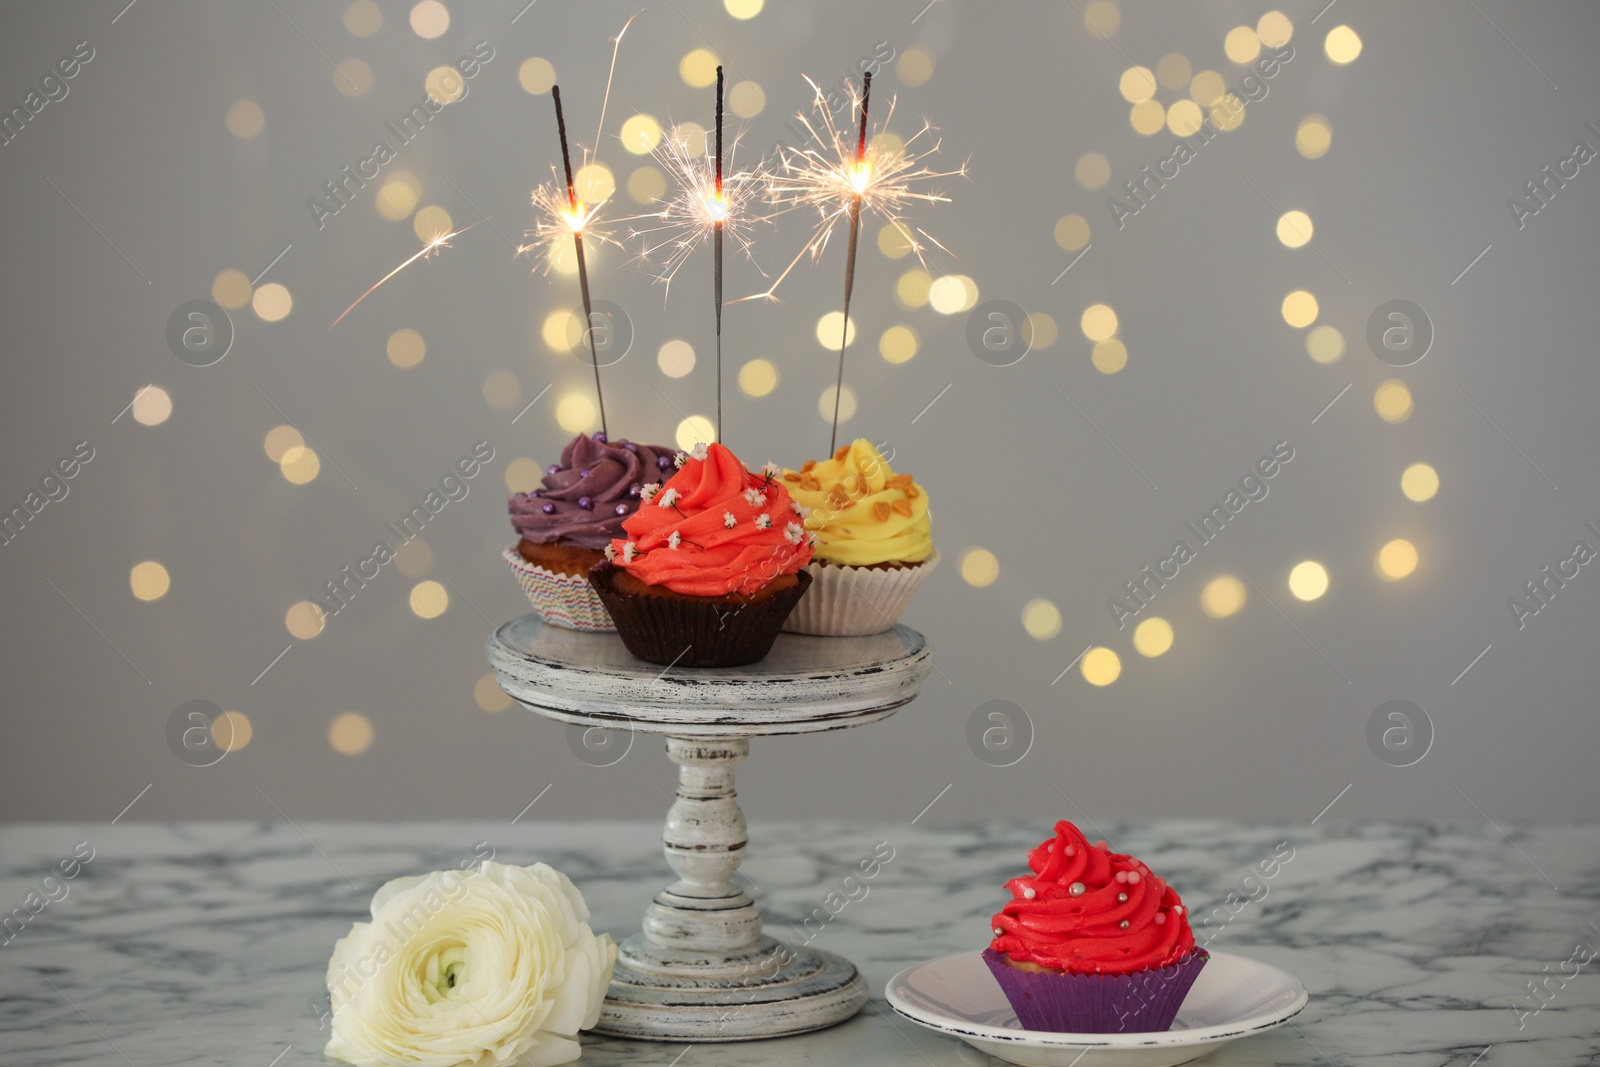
(585, 502)
(549, 508)
(601, 437)
(584, 473)
(633, 491)
(538, 492)
(629, 445)
(554, 468)
(663, 462)
(622, 509)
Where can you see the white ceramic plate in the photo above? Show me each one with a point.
(1233, 998)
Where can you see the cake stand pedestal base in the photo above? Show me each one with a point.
(770, 990)
(700, 969)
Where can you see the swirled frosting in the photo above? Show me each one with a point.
(583, 499)
(1088, 910)
(861, 511)
(714, 528)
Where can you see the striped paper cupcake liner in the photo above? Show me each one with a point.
(563, 599)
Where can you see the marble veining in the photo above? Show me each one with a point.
(205, 943)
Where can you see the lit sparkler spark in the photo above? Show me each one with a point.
(429, 249)
(560, 218)
(830, 176)
(693, 209)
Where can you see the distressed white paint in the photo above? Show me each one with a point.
(702, 970)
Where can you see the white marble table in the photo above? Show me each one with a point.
(206, 943)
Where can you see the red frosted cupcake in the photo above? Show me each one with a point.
(710, 564)
(1092, 943)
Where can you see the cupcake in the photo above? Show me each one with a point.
(1092, 943)
(708, 567)
(565, 524)
(874, 542)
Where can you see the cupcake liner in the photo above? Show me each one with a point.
(564, 599)
(855, 601)
(696, 631)
(1058, 1002)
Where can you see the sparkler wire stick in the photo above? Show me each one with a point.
(850, 259)
(716, 255)
(583, 268)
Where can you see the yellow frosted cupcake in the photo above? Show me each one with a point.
(874, 542)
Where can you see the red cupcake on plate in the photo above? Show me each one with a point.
(1092, 942)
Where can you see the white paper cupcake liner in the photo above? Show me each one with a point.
(564, 599)
(855, 601)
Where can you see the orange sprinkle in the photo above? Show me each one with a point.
(901, 508)
(881, 512)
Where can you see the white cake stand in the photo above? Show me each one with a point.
(702, 970)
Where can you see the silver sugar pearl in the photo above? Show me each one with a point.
(1076, 889)
(1124, 924)
(1122, 898)
(997, 931)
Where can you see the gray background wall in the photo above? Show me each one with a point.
(127, 197)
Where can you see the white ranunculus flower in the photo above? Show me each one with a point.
(493, 967)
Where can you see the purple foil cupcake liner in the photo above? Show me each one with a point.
(563, 599)
(1064, 1003)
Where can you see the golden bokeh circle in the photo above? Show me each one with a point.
(536, 75)
(979, 567)
(1300, 309)
(304, 619)
(429, 599)
(758, 378)
(1100, 666)
(1041, 618)
(1419, 482)
(149, 580)
(231, 289)
(1109, 356)
(1153, 636)
(1396, 560)
(350, 733)
(1308, 580)
(1223, 596)
(1392, 401)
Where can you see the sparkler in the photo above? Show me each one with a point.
(562, 214)
(721, 215)
(688, 217)
(433, 246)
(576, 216)
(859, 177)
(709, 203)
(843, 172)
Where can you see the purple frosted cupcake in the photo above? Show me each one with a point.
(565, 524)
(1092, 942)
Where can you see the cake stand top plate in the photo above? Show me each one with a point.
(804, 685)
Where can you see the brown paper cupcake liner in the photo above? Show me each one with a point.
(855, 601)
(696, 631)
